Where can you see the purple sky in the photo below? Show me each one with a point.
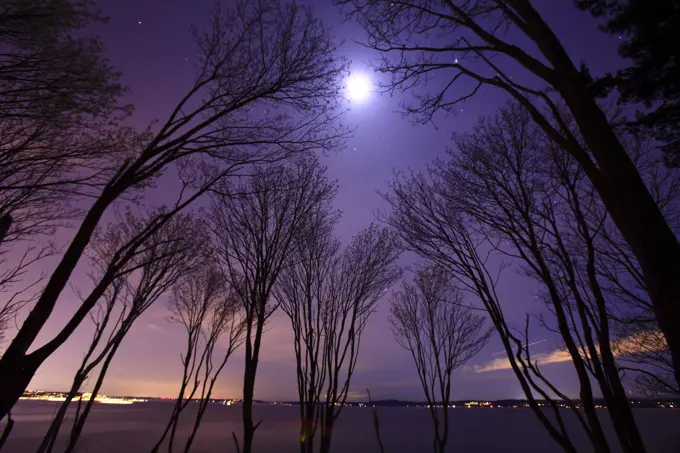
(149, 42)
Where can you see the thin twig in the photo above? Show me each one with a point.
(238, 449)
(376, 422)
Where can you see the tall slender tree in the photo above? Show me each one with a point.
(530, 193)
(365, 272)
(435, 230)
(431, 321)
(255, 224)
(303, 293)
(209, 312)
(329, 297)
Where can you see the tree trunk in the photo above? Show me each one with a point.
(15, 376)
(619, 408)
(307, 417)
(7, 431)
(247, 409)
(5, 224)
(175, 413)
(17, 368)
(638, 218)
(444, 438)
(620, 186)
(79, 422)
(173, 433)
(436, 444)
(327, 432)
(47, 444)
(252, 356)
(202, 406)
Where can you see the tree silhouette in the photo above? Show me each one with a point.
(286, 70)
(646, 32)
(255, 224)
(467, 44)
(431, 321)
(510, 192)
(202, 303)
(157, 264)
(329, 296)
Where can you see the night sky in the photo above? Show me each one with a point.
(150, 43)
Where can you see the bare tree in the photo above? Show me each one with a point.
(365, 272)
(530, 201)
(59, 99)
(102, 316)
(303, 293)
(262, 93)
(531, 193)
(160, 262)
(641, 346)
(431, 321)
(432, 227)
(643, 351)
(329, 298)
(464, 43)
(56, 90)
(255, 224)
(208, 311)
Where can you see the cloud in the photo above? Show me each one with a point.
(647, 341)
(357, 395)
(556, 356)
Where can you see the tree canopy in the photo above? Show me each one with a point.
(652, 77)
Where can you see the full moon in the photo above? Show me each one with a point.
(358, 87)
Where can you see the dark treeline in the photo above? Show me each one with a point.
(556, 185)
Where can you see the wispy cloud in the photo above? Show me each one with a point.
(641, 342)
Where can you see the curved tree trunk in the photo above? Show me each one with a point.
(17, 368)
(327, 429)
(619, 185)
(79, 422)
(7, 431)
(15, 376)
(47, 444)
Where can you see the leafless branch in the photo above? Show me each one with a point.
(329, 297)
(208, 311)
(267, 88)
(166, 255)
(255, 225)
(429, 319)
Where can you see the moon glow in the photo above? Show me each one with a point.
(358, 88)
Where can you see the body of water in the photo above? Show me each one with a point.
(136, 428)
